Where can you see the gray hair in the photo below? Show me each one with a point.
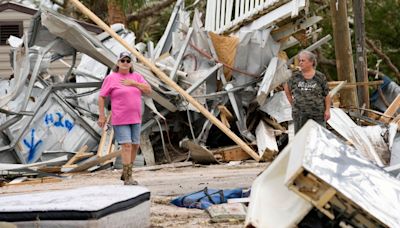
(310, 56)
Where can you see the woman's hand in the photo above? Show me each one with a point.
(128, 82)
(102, 121)
(327, 114)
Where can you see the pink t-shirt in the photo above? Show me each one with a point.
(126, 101)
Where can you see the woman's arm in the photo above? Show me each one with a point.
(327, 113)
(102, 118)
(288, 93)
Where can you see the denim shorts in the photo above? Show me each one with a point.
(129, 133)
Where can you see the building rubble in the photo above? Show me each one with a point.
(48, 122)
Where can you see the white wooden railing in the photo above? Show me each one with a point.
(222, 15)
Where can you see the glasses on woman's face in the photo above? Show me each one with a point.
(125, 60)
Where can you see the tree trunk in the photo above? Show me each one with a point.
(344, 61)
(361, 60)
(150, 11)
(115, 13)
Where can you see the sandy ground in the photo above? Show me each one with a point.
(165, 184)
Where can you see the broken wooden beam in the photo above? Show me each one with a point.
(77, 156)
(97, 160)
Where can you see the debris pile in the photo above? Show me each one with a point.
(234, 66)
(236, 78)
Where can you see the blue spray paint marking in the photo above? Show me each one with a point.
(32, 146)
(49, 119)
(59, 123)
(69, 125)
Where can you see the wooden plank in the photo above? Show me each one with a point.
(51, 169)
(232, 153)
(354, 84)
(37, 181)
(84, 155)
(224, 120)
(147, 149)
(391, 110)
(97, 160)
(75, 157)
(106, 139)
(225, 111)
(164, 166)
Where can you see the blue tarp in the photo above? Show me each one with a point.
(206, 197)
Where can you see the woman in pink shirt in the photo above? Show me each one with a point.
(125, 88)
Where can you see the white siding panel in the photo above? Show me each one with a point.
(12, 15)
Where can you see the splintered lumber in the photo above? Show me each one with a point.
(225, 115)
(97, 160)
(106, 139)
(167, 80)
(225, 111)
(77, 155)
(391, 110)
(147, 149)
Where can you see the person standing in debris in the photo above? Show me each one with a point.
(307, 92)
(124, 87)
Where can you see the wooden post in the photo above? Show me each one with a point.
(361, 60)
(344, 60)
(167, 80)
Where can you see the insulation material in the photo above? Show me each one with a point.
(225, 47)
